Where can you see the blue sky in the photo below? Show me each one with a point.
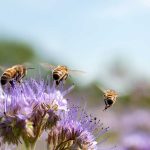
(85, 34)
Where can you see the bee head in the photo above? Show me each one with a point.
(4, 80)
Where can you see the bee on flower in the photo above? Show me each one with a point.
(60, 73)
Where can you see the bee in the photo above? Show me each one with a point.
(60, 72)
(110, 97)
(14, 73)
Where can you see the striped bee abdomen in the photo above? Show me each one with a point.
(16, 73)
(110, 97)
(4, 80)
(7, 76)
(57, 75)
(109, 101)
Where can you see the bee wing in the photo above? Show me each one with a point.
(28, 65)
(76, 72)
(104, 90)
(101, 89)
(47, 66)
(2, 68)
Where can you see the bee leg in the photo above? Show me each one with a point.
(19, 81)
(64, 79)
(17, 76)
(23, 76)
(12, 84)
(105, 102)
(106, 107)
(57, 82)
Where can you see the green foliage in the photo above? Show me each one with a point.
(12, 52)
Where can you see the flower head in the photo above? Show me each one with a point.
(29, 108)
(76, 131)
(137, 141)
(10, 129)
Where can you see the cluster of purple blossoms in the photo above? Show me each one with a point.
(32, 107)
(136, 141)
(76, 131)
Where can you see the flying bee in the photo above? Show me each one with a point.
(14, 73)
(60, 72)
(110, 97)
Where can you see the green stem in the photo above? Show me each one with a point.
(30, 146)
(33, 146)
(40, 128)
(29, 143)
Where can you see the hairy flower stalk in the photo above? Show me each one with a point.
(75, 131)
(30, 108)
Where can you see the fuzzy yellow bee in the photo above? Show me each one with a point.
(60, 72)
(16, 73)
(110, 97)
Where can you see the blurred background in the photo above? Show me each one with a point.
(109, 40)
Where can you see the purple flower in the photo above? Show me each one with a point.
(30, 108)
(136, 141)
(76, 130)
(33, 107)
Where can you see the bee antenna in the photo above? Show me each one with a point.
(30, 68)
